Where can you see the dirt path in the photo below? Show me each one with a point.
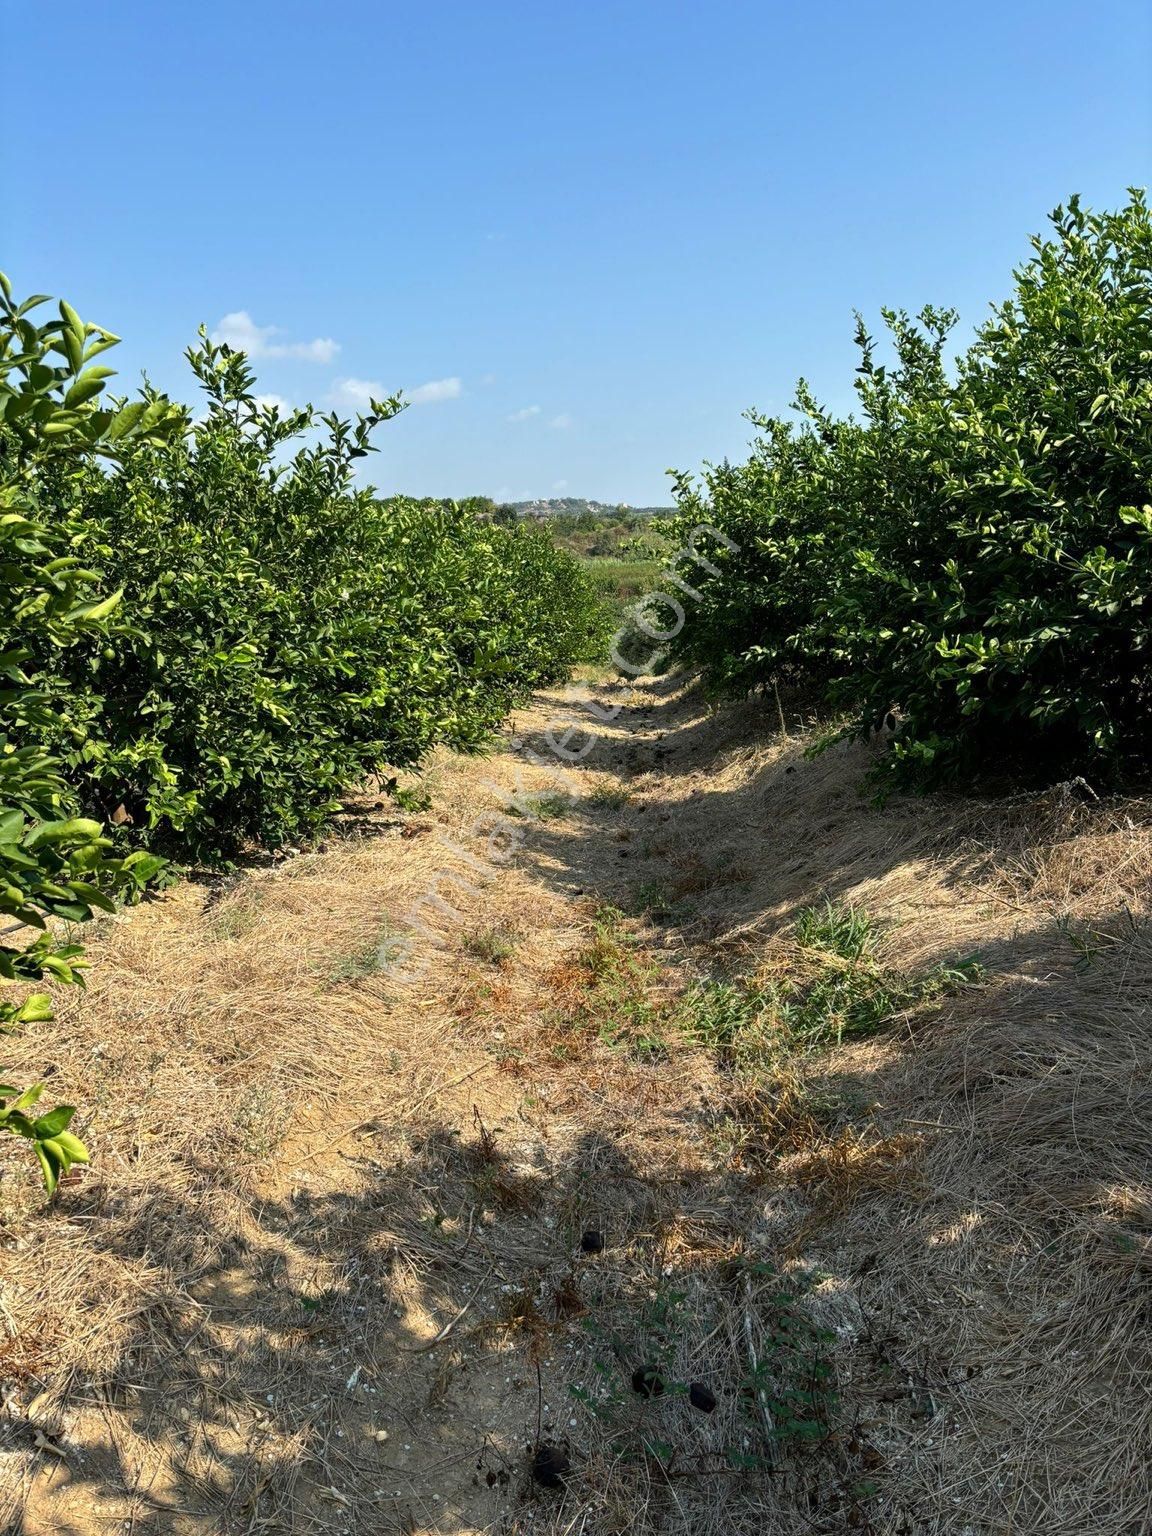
(327, 1273)
(278, 1332)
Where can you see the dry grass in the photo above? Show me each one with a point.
(305, 1171)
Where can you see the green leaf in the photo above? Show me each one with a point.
(35, 1009)
(75, 829)
(71, 319)
(125, 420)
(27, 1098)
(84, 389)
(11, 825)
(92, 613)
(55, 1121)
(50, 1167)
(92, 896)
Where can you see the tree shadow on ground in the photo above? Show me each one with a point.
(925, 1259)
(722, 831)
(250, 1392)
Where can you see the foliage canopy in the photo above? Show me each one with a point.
(972, 552)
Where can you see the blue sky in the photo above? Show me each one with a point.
(586, 235)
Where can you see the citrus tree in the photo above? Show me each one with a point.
(54, 864)
(285, 633)
(964, 563)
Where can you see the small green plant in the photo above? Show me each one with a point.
(780, 1381)
(1090, 943)
(237, 914)
(643, 1349)
(836, 988)
(620, 999)
(550, 807)
(843, 990)
(789, 1384)
(367, 961)
(609, 797)
(54, 1144)
(411, 799)
(840, 930)
(259, 1120)
(495, 945)
(652, 898)
(734, 1020)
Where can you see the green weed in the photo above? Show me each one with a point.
(783, 1391)
(842, 990)
(622, 1000)
(236, 916)
(369, 960)
(1090, 943)
(738, 1022)
(840, 930)
(835, 989)
(546, 807)
(495, 945)
(652, 898)
(609, 797)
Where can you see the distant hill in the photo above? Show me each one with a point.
(577, 506)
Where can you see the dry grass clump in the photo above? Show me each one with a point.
(836, 1172)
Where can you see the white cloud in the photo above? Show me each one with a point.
(438, 389)
(562, 422)
(357, 394)
(559, 485)
(320, 350)
(528, 411)
(240, 331)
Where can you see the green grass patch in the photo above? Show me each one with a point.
(550, 807)
(369, 960)
(609, 797)
(622, 1000)
(494, 945)
(836, 989)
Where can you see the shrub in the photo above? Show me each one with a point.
(771, 546)
(206, 640)
(971, 554)
(1020, 628)
(53, 863)
(757, 592)
(286, 633)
